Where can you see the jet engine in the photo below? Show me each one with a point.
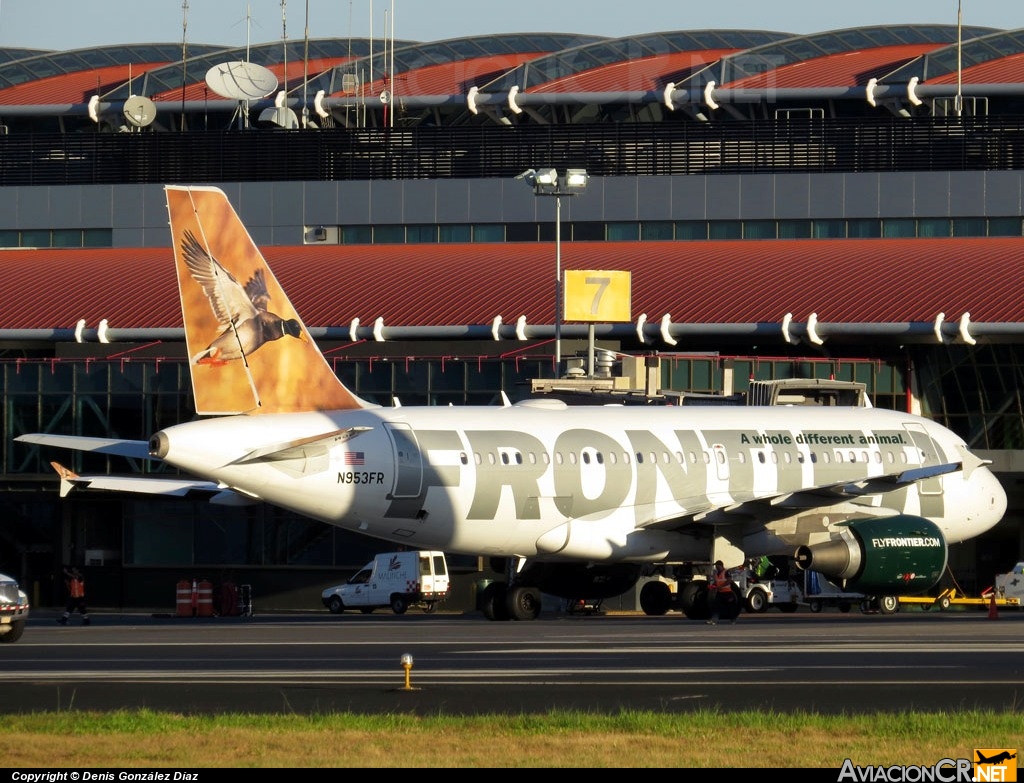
(898, 555)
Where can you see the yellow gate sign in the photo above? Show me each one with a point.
(597, 295)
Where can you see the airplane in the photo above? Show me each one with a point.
(565, 500)
(996, 759)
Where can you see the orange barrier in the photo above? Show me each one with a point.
(204, 604)
(993, 610)
(184, 606)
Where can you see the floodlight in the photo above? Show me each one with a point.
(576, 178)
(545, 178)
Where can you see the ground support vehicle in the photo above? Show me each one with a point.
(14, 609)
(1008, 591)
(820, 593)
(395, 579)
(951, 597)
(759, 594)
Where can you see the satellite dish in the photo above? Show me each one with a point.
(241, 80)
(139, 111)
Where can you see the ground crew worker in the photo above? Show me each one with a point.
(723, 597)
(76, 596)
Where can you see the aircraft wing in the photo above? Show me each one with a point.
(770, 507)
(139, 449)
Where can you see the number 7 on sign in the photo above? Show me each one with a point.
(597, 295)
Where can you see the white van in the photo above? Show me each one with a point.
(395, 579)
(13, 609)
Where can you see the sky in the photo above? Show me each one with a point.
(76, 24)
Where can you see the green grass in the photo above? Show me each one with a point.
(567, 739)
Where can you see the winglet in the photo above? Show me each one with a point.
(66, 478)
(240, 327)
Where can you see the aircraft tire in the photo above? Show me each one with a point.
(399, 604)
(492, 601)
(524, 603)
(693, 600)
(655, 598)
(335, 605)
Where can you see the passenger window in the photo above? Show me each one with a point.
(463, 458)
(586, 457)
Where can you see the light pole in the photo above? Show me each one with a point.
(547, 182)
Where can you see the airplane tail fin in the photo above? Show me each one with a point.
(249, 350)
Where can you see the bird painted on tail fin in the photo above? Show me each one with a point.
(241, 310)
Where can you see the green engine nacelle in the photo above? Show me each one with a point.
(899, 555)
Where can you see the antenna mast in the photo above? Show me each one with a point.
(184, 57)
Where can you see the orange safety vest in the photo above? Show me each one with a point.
(76, 587)
(722, 582)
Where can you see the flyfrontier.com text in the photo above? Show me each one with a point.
(942, 771)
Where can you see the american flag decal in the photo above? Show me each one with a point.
(354, 458)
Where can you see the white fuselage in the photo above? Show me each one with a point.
(636, 483)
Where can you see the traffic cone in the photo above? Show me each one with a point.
(993, 610)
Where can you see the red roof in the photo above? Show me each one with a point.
(840, 280)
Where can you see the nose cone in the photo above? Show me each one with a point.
(988, 502)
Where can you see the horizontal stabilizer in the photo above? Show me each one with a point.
(149, 486)
(139, 449)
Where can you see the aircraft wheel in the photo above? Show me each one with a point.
(399, 604)
(693, 600)
(655, 598)
(816, 606)
(492, 602)
(889, 604)
(524, 603)
(757, 601)
(336, 605)
(367, 610)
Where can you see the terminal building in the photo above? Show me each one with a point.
(840, 206)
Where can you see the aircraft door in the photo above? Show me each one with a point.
(408, 461)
